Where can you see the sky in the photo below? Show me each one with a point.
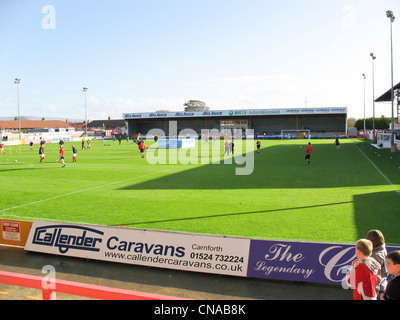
(147, 55)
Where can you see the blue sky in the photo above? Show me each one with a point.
(145, 55)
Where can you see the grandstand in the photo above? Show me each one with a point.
(266, 123)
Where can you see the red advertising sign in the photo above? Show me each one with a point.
(14, 233)
(11, 230)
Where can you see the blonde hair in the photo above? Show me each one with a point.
(365, 246)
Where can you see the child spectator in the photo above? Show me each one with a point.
(379, 253)
(393, 264)
(363, 274)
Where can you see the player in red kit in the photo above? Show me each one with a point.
(74, 153)
(62, 155)
(142, 147)
(309, 150)
(41, 153)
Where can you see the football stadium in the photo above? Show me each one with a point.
(334, 199)
(266, 123)
(283, 186)
(206, 206)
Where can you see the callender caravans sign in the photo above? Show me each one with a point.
(181, 251)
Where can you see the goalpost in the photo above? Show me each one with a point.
(295, 134)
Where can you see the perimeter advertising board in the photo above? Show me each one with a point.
(301, 261)
(181, 251)
(269, 259)
(233, 113)
(14, 232)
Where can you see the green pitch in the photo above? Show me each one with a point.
(338, 198)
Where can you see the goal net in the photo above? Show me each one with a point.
(295, 134)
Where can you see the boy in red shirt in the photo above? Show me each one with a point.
(363, 274)
(309, 150)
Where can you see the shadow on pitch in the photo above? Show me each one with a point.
(379, 210)
(234, 214)
(276, 167)
(18, 167)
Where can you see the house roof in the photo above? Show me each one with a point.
(33, 124)
(107, 123)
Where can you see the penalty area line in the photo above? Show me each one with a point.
(79, 191)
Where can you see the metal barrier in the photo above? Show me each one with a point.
(76, 288)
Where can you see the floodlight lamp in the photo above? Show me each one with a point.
(85, 89)
(364, 76)
(390, 15)
(373, 56)
(17, 81)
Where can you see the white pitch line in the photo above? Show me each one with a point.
(377, 169)
(83, 190)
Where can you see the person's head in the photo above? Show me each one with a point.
(393, 262)
(376, 237)
(363, 248)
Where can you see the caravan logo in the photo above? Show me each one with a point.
(66, 237)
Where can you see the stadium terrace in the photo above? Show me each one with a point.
(266, 123)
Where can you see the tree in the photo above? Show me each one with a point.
(196, 105)
(351, 122)
(381, 123)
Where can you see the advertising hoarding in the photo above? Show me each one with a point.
(301, 261)
(268, 259)
(181, 251)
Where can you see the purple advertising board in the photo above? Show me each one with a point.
(301, 261)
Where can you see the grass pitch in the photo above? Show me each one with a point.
(338, 198)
